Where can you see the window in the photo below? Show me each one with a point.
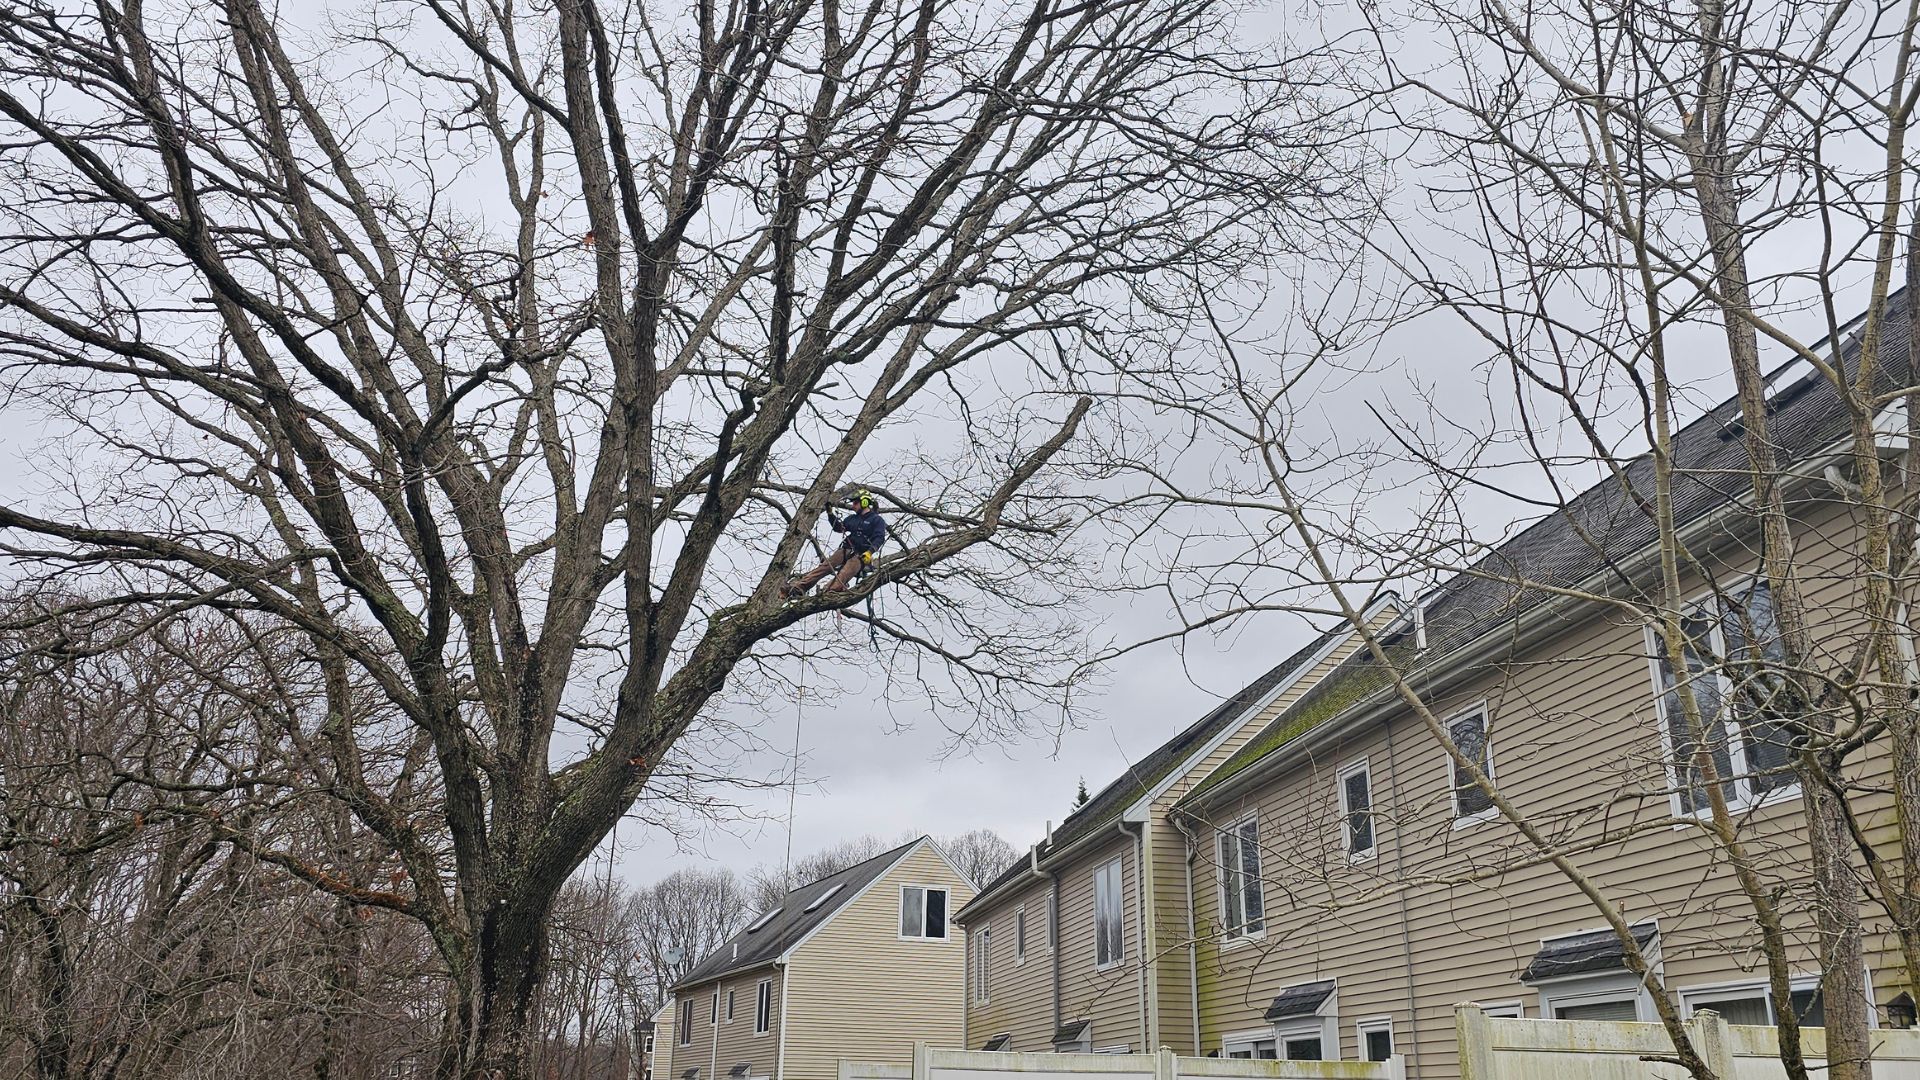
(763, 1007)
(1046, 923)
(1019, 934)
(982, 957)
(1109, 916)
(1242, 904)
(713, 1010)
(683, 1032)
(1252, 1045)
(1356, 808)
(1469, 733)
(729, 1006)
(1752, 1004)
(1304, 1045)
(1744, 706)
(923, 912)
(1376, 1038)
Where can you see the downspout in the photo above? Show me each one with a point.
(1193, 931)
(1406, 933)
(1140, 918)
(1053, 942)
(780, 1052)
(713, 1030)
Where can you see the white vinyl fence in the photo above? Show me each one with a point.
(931, 1064)
(1493, 1048)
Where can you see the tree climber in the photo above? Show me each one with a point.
(866, 532)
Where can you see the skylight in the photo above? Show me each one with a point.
(823, 898)
(763, 920)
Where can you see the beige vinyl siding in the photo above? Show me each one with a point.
(1020, 998)
(1172, 988)
(857, 990)
(1575, 742)
(1110, 997)
(738, 1044)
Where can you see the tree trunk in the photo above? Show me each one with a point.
(507, 971)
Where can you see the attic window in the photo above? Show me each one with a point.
(823, 898)
(763, 920)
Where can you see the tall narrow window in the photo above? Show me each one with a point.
(923, 912)
(763, 1007)
(1469, 733)
(1109, 915)
(713, 1009)
(1046, 923)
(683, 1032)
(1734, 657)
(1242, 899)
(1019, 934)
(982, 958)
(729, 1006)
(1356, 808)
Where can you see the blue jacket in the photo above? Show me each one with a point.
(866, 530)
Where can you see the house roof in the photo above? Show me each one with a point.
(1592, 535)
(766, 939)
(1111, 801)
(1598, 951)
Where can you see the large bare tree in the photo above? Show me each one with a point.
(510, 353)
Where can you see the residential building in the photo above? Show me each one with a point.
(1349, 884)
(859, 964)
(1075, 948)
(653, 1043)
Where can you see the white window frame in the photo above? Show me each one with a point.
(1324, 1028)
(1367, 1026)
(1346, 814)
(730, 1009)
(1226, 875)
(1117, 865)
(982, 965)
(946, 913)
(1020, 935)
(1462, 821)
(1046, 923)
(1758, 988)
(1744, 799)
(713, 1010)
(683, 1030)
(763, 1007)
(1250, 1042)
